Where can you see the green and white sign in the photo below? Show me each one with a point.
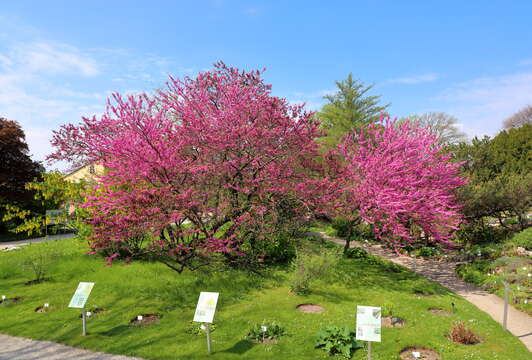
(81, 295)
(368, 323)
(206, 307)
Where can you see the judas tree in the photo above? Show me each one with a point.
(397, 178)
(195, 168)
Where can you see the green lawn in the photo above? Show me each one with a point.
(141, 288)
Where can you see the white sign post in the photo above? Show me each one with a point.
(79, 300)
(368, 326)
(205, 313)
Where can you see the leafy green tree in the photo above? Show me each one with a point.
(52, 192)
(349, 109)
(16, 169)
(500, 177)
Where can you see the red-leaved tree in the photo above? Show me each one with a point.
(194, 169)
(396, 177)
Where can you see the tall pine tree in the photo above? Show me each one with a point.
(349, 109)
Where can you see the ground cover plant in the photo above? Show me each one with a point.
(510, 261)
(246, 298)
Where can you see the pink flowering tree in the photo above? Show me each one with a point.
(397, 178)
(196, 168)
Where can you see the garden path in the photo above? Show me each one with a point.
(25, 349)
(519, 323)
(15, 244)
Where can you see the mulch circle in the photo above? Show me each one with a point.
(310, 308)
(11, 300)
(147, 319)
(425, 354)
(42, 309)
(393, 321)
(440, 311)
(423, 294)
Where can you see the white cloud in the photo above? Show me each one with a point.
(50, 59)
(483, 103)
(35, 92)
(418, 79)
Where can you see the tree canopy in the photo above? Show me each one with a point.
(520, 118)
(500, 172)
(443, 125)
(348, 109)
(195, 169)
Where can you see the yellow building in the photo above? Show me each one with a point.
(88, 173)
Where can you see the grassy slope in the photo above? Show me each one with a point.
(129, 290)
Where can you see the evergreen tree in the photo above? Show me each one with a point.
(349, 109)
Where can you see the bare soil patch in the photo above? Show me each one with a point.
(11, 300)
(310, 308)
(43, 309)
(393, 321)
(440, 311)
(425, 354)
(147, 319)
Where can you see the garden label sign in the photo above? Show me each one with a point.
(81, 295)
(206, 307)
(368, 323)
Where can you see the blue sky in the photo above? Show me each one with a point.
(60, 60)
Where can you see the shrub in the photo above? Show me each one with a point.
(461, 334)
(342, 227)
(428, 251)
(39, 262)
(273, 331)
(356, 253)
(335, 340)
(310, 267)
(522, 239)
(195, 328)
(479, 233)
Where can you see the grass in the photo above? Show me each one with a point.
(245, 299)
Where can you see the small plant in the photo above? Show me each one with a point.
(195, 328)
(39, 262)
(356, 253)
(267, 331)
(428, 251)
(461, 334)
(335, 340)
(310, 267)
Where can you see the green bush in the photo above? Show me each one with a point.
(335, 340)
(479, 233)
(342, 227)
(356, 253)
(522, 239)
(194, 328)
(310, 267)
(358, 232)
(428, 251)
(273, 331)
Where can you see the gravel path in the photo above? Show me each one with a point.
(519, 323)
(14, 348)
(16, 244)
